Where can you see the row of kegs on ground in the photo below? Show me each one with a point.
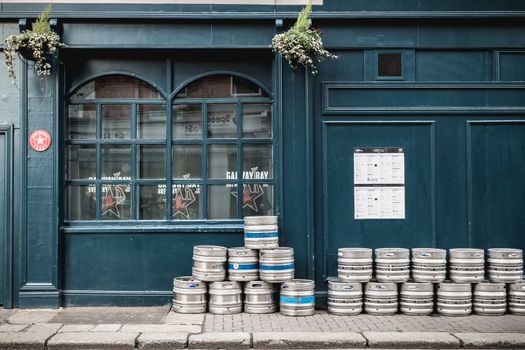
(465, 265)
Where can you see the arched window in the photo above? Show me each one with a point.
(213, 148)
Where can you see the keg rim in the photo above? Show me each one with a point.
(232, 250)
(212, 247)
(223, 284)
(466, 250)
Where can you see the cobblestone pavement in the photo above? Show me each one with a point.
(325, 322)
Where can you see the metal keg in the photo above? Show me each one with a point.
(381, 298)
(416, 298)
(276, 265)
(209, 263)
(189, 295)
(517, 298)
(392, 264)
(454, 299)
(354, 264)
(505, 265)
(345, 298)
(490, 298)
(261, 232)
(429, 265)
(243, 264)
(260, 297)
(225, 298)
(467, 265)
(297, 298)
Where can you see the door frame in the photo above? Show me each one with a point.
(7, 130)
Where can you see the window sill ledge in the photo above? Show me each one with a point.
(195, 227)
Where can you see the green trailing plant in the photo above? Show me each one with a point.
(34, 44)
(301, 44)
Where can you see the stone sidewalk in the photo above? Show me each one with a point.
(159, 328)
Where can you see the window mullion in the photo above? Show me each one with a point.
(240, 172)
(134, 162)
(204, 160)
(98, 170)
(169, 160)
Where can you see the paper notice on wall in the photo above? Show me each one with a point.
(379, 183)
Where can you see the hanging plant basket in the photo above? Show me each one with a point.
(27, 53)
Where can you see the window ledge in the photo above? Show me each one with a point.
(194, 227)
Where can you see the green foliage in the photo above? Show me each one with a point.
(41, 25)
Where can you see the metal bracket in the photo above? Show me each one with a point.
(22, 24)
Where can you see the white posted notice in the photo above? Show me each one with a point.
(379, 183)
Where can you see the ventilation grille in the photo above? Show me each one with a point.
(389, 65)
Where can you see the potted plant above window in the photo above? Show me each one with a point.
(35, 44)
(301, 44)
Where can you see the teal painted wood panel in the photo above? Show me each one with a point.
(3, 212)
(512, 66)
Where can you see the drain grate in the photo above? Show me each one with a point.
(105, 315)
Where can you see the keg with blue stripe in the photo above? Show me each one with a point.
(225, 298)
(517, 298)
(392, 264)
(276, 265)
(467, 265)
(209, 263)
(354, 264)
(505, 265)
(243, 264)
(189, 295)
(381, 298)
(429, 265)
(416, 298)
(297, 298)
(261, 232)
(345, 298)
(260, 297)
(454, 299)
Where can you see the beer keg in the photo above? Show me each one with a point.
(429, 265)
(209, 263)
(261, 232)
(416, 298)
(243, 264)
(189, 295)
(381, 298)
(454, 299)
(276, 265)
(490, 298)
(467, 265)
(505, 265)
(345, 298)
(297, 298)
(354, 264)
(260, 297)
(517, 298)
(392, 264)
(225, 298)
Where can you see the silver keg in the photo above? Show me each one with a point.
(505, 265)
(260, 297)
(297, 298)
(429, 265)
(345, 298)
(189, 295)
(243, 264)
(381, 298)
(225, 298)
(276, 265)
(392, 264)
(416, 298)
(354, 264)
(209, 263)
(261, 232)
(467, 265)
(454, 299)
(490, 298)
(517, 298)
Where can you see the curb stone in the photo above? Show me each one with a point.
(492, 340)
(411, 340)
(162, 341)
(92, 341)
(222, 340)
(308, 340)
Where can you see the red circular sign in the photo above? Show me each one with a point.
(40, 140)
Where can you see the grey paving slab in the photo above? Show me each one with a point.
(76, 328)
(411, 340)
(92, 341)
(7, 327)
(109, 327)
(162, 341)
(224, 340)
(5, 313)
(160, 328)
(176, 318)
(308, 340)
(27, 316)
(492, 340)
(34, 338)
(112, 315)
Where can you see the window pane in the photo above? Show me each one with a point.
(222, 203)
(221, 86)
(187, 161)
(152, 202)
(151, 120)
(82, 122)
(81, 204)
(116, 161)
(116, 122)
(152, 162)
(186, 203)
(257, 199)
(222, 161)
(116, 202)
(257, 121)
(81, 162)
(222, 121)
(187, 121)
(257, 162)
(116, 86)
